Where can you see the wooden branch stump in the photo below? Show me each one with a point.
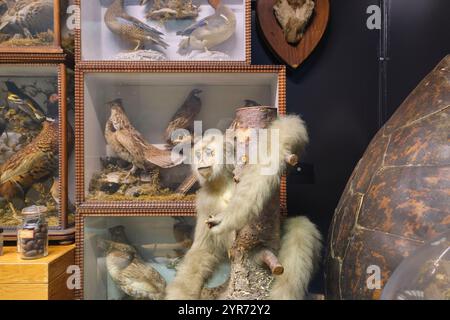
(253, 254)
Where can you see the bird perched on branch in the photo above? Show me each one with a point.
(28, 17)
(130, 145)
(18, 99)
(130, 28)
(34, 163)
(210, 31)
(184, 118)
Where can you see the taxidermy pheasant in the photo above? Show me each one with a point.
(34, 163)
(17, 99)
(184, 118)
(210, 31)
(28, 17)
(293, 16)
(130, 273)
(130, 145)
(130, 28)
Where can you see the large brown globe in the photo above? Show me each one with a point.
(397, 197)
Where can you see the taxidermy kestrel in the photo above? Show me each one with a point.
(34, 163)
(130, 145)
(210, 31)
(28, 17)
(130, 28)
(184, 118)
(18, 99)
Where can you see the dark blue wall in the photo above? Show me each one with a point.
(337, 90)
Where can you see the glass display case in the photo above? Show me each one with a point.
(135, 129)
(164, 30)
(134, 257)
(32, 26)
(35, 142)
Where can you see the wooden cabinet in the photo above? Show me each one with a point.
(41, 279)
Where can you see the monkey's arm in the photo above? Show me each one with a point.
(197, 266)
(250, 197)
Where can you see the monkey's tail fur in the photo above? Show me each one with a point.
(299, 254)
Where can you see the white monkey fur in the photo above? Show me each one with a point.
(233, 206)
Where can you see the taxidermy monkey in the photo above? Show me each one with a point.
(234, 206)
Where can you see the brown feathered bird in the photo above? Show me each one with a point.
(34, 163)
(130, 28)
(184, 118)
(130, 145)
(128, 270)
(28, 17)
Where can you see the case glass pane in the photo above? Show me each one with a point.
(130, 257)
(26, 23)
(29, 142)
(128, 153)
(161, 30)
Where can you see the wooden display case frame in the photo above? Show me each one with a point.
(152, 207)
(64, 231)
(248, 47)
(79, 236)
(46, 52)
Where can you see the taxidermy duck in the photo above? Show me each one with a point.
(34, 163)
(171, 9)
(18, 99)
(210, 31)
(130, 145)
(130, 273)
(293, 16)
(121, 23)
(28, 17)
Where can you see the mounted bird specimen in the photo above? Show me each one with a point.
(171, 9)
(293, 16)
(27, 17)
(184, 119)
(210, 31)
(34, 163)
(18, 99)
(130, 28)
(130, 145)
(130, 273)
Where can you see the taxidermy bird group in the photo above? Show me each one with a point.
(29, 19)
(200, 35)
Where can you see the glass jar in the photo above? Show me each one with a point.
(32, 235)
(1, 241)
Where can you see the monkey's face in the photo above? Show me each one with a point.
(210, 157)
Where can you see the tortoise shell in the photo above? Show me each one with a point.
(399, 194)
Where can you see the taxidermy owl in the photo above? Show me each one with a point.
(293, 16)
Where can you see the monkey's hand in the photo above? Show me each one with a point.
(215, 223)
